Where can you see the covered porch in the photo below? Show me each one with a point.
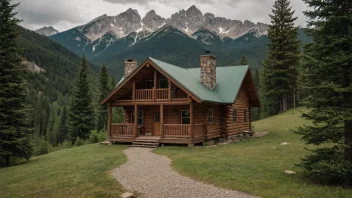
(167, 122)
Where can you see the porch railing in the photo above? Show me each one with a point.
(198, 130)
(122, 129)
(161, 94)
(176, 130)
(144, 94)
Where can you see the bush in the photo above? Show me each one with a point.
(96, 136)
(326, 166)
(44, 147)
(64, 145)
(79, 142)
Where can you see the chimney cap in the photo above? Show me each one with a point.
(207, 52)
(129, 60)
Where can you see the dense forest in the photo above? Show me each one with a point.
(51, 70)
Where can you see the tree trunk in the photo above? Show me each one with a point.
(348, 150)
(7, 160)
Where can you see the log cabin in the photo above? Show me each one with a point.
(164, 103)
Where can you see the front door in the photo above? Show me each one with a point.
(157, 123)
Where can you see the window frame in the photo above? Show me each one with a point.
(189, 114)
(142, 118)
(167, 83)
(211, 116)
(146, 84)
(234, 115)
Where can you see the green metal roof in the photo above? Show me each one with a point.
(228, 81)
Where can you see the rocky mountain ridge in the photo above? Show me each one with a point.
(47, 31)
(188, 21)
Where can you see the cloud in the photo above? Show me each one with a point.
(37, 13)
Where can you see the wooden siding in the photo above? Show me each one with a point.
(240, 104)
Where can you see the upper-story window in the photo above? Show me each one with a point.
(163, 83)
(210, 116)
(234, 115)
(149, 84)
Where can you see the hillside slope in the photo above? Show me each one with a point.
(75, 172)
(256, 166)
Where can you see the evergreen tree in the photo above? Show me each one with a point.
(113, 83)
(81, 115)
(326, 76)
(63, 130)
(279, 72)
(14, 135)
(243, 60)
(104, 89)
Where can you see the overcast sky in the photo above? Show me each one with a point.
(66, 14)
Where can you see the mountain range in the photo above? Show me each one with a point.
(47, 31)
(179, 39)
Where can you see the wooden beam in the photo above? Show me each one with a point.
(155, 78)
(135, 126)
(162, 120)
(191, 134)
(134, 90)
(169, 89)
(109, 118)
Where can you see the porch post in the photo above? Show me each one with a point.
(162, 120)
(134, 90)
(109, 118)
(191, 134)
(135, 126)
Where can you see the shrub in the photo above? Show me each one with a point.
(79, 142)
(326, 166)
(44, 147)
(96, 136)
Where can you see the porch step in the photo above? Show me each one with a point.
(149, 142)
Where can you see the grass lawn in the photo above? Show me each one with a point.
(255, 166)
(76, 172)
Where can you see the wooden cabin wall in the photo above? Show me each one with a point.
(240, 104)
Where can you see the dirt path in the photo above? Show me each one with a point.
(152, 176)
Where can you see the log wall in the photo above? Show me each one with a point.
(240, 104)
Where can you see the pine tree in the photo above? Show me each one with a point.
(326, 76)
(104, 89)
(113, 83)
(14, 135)
(279, 72)
(81, 115)
(63, 130)
(243, 60)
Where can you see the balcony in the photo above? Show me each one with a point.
(156, 95)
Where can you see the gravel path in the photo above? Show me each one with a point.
(152, 176)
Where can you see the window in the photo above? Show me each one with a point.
(234, 115)
(139, 117)
(157, 116)
(149, 84)
(245, 115)
(185, 117)
(163, 83)
(210, 116)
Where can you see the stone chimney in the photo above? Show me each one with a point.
(208, 70)
(130, 65)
